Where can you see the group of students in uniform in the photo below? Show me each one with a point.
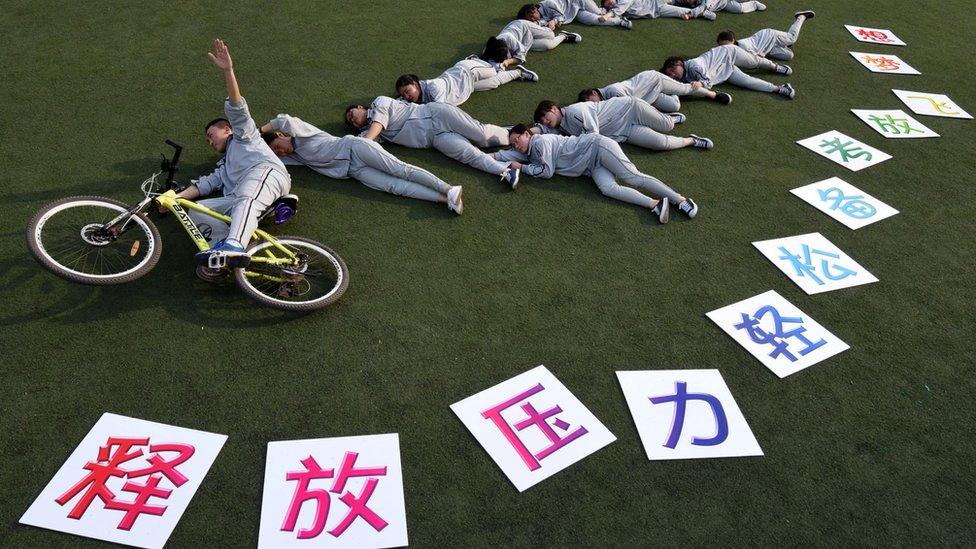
(573, 140)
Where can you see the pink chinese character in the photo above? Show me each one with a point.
(876, 35)
(536, 419)
(356, 504)
(108, 464)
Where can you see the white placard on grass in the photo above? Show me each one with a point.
(334, 492)
(882, 62)
(532, 426)
(874, 36)
(128, 482)
(778, 334)
(813, 263)
(687, 414)
(931, 104)
(844, 202)
(894, 123)
(844, 150)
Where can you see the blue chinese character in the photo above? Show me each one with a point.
(805, 266)
(851, 206)
(777, 338)
(680, 398)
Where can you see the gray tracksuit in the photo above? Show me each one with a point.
(773, 43)
(722, 63)
(441, 126)
(642, 9)
(594, 155)
(731, 6)
(357, 158)
(521, 36)
(566, 11)
(467, 76)
(658, 89)
(250, 175)
(623, 119)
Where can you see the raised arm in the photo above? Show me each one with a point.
(222, 60)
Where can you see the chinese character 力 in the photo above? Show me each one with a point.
(680, 399)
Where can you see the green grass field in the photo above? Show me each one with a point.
(874, 447)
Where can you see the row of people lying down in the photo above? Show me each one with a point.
(723, 63)
(251, 176)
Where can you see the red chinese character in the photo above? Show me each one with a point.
(876, 35)
(108, 464)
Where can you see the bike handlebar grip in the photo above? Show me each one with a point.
(173, 144)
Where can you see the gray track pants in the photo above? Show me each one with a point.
(484, 81)
(262, 186)
(667, 99)
(590, 18)
(644, 132)
(784, 39)
(543, 44)
(746, 60)
(455, 131)
(378, 169)
(741, 7)
(613, 164)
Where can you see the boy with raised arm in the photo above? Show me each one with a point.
(299, 143)
(250, 175)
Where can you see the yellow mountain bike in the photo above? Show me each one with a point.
(100, 241)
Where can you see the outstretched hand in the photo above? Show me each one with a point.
(221, 55)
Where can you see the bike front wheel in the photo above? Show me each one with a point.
(69, 238)
(318, 279)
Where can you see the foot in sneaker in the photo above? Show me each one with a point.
(689, 208)
(708, 15)
(527, 75)
(572, 37)
(723, 98)
(760, 6)
(701, 142)
(677, 117)
(784, 69)
(511, 176)
(454, 201)
(787, 90)
(809, 14)
(626, 23)
(662, 211)
(226, 253)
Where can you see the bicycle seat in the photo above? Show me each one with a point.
(281, 210)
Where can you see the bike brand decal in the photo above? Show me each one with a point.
(184, 217)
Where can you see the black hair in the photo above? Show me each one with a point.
(495, 50)
(726, 36)
(406, 80)
(673, 61)
(523, 12)
(518, 129)
(269, 137)
(542, 108)
(346, 116)
(585, 95)
(219, 122)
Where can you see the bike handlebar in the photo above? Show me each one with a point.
(170, 166)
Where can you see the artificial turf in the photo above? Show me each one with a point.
(872, 447)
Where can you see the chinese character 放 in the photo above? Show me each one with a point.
(890, 124)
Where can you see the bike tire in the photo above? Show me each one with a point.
(57, 234)
(329, 283)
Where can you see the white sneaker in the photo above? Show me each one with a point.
(527, 75)
(572, 37)
(784, 69)
(701, 142)
(511, 176)
(677, 117)
(454, 201)
(689, 208)
(663, 211)
(760, 6)
(708, 15)
(787, 90)
(626, 23)
(807, 14)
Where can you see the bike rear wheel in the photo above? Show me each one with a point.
(67, 238)
(318, 281)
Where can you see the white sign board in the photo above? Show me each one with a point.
(844, 202)
(893, 123)
(334, 492)
(778, 334)
(532, 426)
(878, 62)
(813, 263)
(875, 36)
(931, 104)
(844, 150)
(128, 482)
(687, 414)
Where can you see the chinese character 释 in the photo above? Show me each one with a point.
(115, 453)
(779, 335)
(680, 399)
(323, 499)
(534, 419)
